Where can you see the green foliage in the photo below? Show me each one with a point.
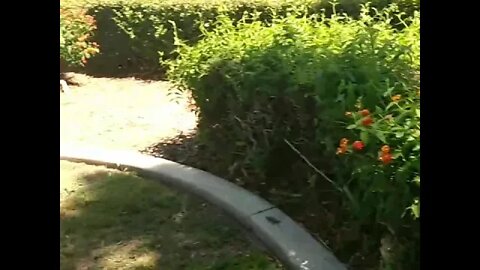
(273, 80)
(149, 26)
(260, 84)
(133, 32)
(76, 29)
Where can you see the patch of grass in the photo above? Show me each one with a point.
(115, 220)
(250, 262)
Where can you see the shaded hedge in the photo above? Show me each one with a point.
(132, 33)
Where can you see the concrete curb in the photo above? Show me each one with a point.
(289, 242)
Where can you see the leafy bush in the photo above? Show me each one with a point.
(149, 26)
(382, 164)
(272, 98)
(132, 33)
(76, 29)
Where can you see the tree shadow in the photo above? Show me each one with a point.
(116, 220)
(188, 150)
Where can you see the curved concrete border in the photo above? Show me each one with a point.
(289, 242)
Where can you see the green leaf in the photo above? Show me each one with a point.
(389, 90)
(415, 207)
(416, 180)
(351, 126)
(417, 111)
(340, 98)
(416, 210)
(349, 195)
(402, 116)
(389, 106)
(351, 97)
(364, 136)
(399, 134)
(416, 164)
(380, 136)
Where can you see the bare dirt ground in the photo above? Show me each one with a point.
(121, 113)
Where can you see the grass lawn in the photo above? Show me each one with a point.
(116, 220)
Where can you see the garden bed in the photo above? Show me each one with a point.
(319, 114)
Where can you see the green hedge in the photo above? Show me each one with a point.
(270, 98)
(132, 33)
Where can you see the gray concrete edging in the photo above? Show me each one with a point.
(282, 236)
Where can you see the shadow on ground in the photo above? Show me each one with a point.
(115, 220)
(187, 150)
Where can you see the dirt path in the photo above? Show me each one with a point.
(121, 113)
(115, 220)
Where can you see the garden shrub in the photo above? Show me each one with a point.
(274, 99)
(145, 29)
(132, 33)
(76, 28)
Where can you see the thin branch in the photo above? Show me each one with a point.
(311, 165)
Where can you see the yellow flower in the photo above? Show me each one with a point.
(81, 44)
(341, 150)
(92, 50)
(343, 146)
(83, 38)
(396, 98)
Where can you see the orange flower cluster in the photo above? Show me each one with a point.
(342, 149)
(358, 145)
(343, 146)
(364, 112)
(368, 120)
(83, 38)
(385, 155)
(90, 20)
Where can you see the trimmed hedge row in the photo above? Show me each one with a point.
(132, 34)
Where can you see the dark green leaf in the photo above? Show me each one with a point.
(380, 136)
(364, 136)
